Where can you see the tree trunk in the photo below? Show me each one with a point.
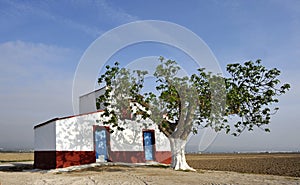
(178, 154)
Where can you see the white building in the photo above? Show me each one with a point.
(83, 139)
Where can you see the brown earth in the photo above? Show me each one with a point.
(141, 175)
(284, 164)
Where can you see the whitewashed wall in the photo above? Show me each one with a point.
(162, 143)
(44, 137)
(76, 134)
(131, 139)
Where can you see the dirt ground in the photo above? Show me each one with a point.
(141, 175)
(285, 164)
(282, 164)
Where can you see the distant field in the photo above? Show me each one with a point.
(15, 157)
(286, 164)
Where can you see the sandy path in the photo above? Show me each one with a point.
(141, 175)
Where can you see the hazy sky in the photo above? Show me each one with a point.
(41, 43)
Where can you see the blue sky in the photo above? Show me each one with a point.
(41, 43)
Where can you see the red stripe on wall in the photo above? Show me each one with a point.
(73, 158)
(127, 156)
(62, 159)
(139, 156)
(163, 157)
(44, 160)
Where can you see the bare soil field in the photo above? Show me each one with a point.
(285, 164)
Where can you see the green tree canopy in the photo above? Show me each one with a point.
(210, 100)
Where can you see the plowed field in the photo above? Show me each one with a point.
(285, 164)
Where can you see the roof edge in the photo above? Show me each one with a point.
(45, 123)
(92, 92)
(66, 117)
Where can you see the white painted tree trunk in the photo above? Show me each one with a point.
(178, 155)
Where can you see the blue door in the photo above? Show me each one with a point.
(100, 145)
(149, 145)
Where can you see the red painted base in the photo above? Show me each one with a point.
(139, 156)
(127, 156)
(44, 160)
(73, 158)
(163, 157)
(62, 159)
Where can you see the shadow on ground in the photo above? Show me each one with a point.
(16, 166)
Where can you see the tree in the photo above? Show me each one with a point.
(204, 99)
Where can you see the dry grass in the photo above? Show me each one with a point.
(15, 157)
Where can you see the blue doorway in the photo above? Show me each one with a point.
(149, 145)
(100, 140)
